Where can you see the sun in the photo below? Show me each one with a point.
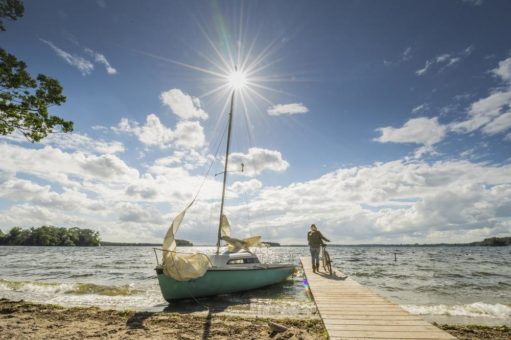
(237, 79)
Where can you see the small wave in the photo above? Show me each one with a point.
(91, 288)
(33, 286)
(79, 275)
(68, 288)
(477, 309)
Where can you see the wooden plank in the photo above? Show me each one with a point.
(389, 335)
(385, 328)
(364, 321)
(351, 311)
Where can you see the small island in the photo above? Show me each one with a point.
(65, 237)
(270, 244)
(50, 236)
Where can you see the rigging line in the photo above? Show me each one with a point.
(206, 174)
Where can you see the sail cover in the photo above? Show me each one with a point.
(181, 267)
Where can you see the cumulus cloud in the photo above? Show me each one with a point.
(130, 212)
(504, 70)
(189, 159)
(426, 131)
(83, 65)
(189, 134)
(82, 142)
(389, 199)
(183, 105)
(287, 109)
(153, 132)
(417, 201)
(241, 187)
(258, 160)
(58, 166)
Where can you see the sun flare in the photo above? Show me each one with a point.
(237, 79)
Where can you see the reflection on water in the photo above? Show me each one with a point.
(426, 280)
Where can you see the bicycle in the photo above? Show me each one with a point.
(325, 260)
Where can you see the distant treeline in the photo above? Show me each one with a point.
(487, 242)
(50, 236)
(494, 241)
(182, 243)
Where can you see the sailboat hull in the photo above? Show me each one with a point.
(223, 281)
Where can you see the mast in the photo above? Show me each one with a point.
(225, 173)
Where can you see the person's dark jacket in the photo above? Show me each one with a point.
(315, 239)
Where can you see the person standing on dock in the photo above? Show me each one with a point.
(315, 239)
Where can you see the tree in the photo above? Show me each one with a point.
(12, 9)
(24, 101)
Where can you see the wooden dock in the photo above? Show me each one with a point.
(352, 311)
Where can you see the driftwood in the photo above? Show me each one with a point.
(277, 328)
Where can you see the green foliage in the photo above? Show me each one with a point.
(12, 9)
(24, 101)
(50, 236)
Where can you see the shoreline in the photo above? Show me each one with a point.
(27, 320)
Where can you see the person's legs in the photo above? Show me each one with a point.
(315, 258)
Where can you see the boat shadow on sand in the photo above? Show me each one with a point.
(136, 321)
(208, 306)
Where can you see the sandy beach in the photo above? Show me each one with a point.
(25, 320)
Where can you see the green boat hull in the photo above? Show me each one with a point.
(222, 281)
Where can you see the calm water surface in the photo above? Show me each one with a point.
(471, 283)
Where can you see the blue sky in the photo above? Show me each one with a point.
(380, 121)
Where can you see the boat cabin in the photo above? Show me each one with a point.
(233, 259)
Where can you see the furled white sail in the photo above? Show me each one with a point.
(181, 267)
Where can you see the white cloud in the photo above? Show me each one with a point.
(484, 111)
(188, 134)
(183, 105)
(287, 109)
(504, 70)
(419, 108)
(101, 59)
(498, 125)
(258, 160)
(444, 61)
(426, 131)
(82, 64)
(189, 159)
(474, 2)
(57, 166)
(384, 202)
(241, 187)
(388, 200)
(130, 212)
(82, 142)
(407, 54)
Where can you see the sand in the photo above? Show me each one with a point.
(25, 320)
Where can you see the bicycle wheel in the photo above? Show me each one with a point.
(323, 260)
(327, 264)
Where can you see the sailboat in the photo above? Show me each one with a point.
(237, 269)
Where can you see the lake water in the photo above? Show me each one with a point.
(451, 284)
